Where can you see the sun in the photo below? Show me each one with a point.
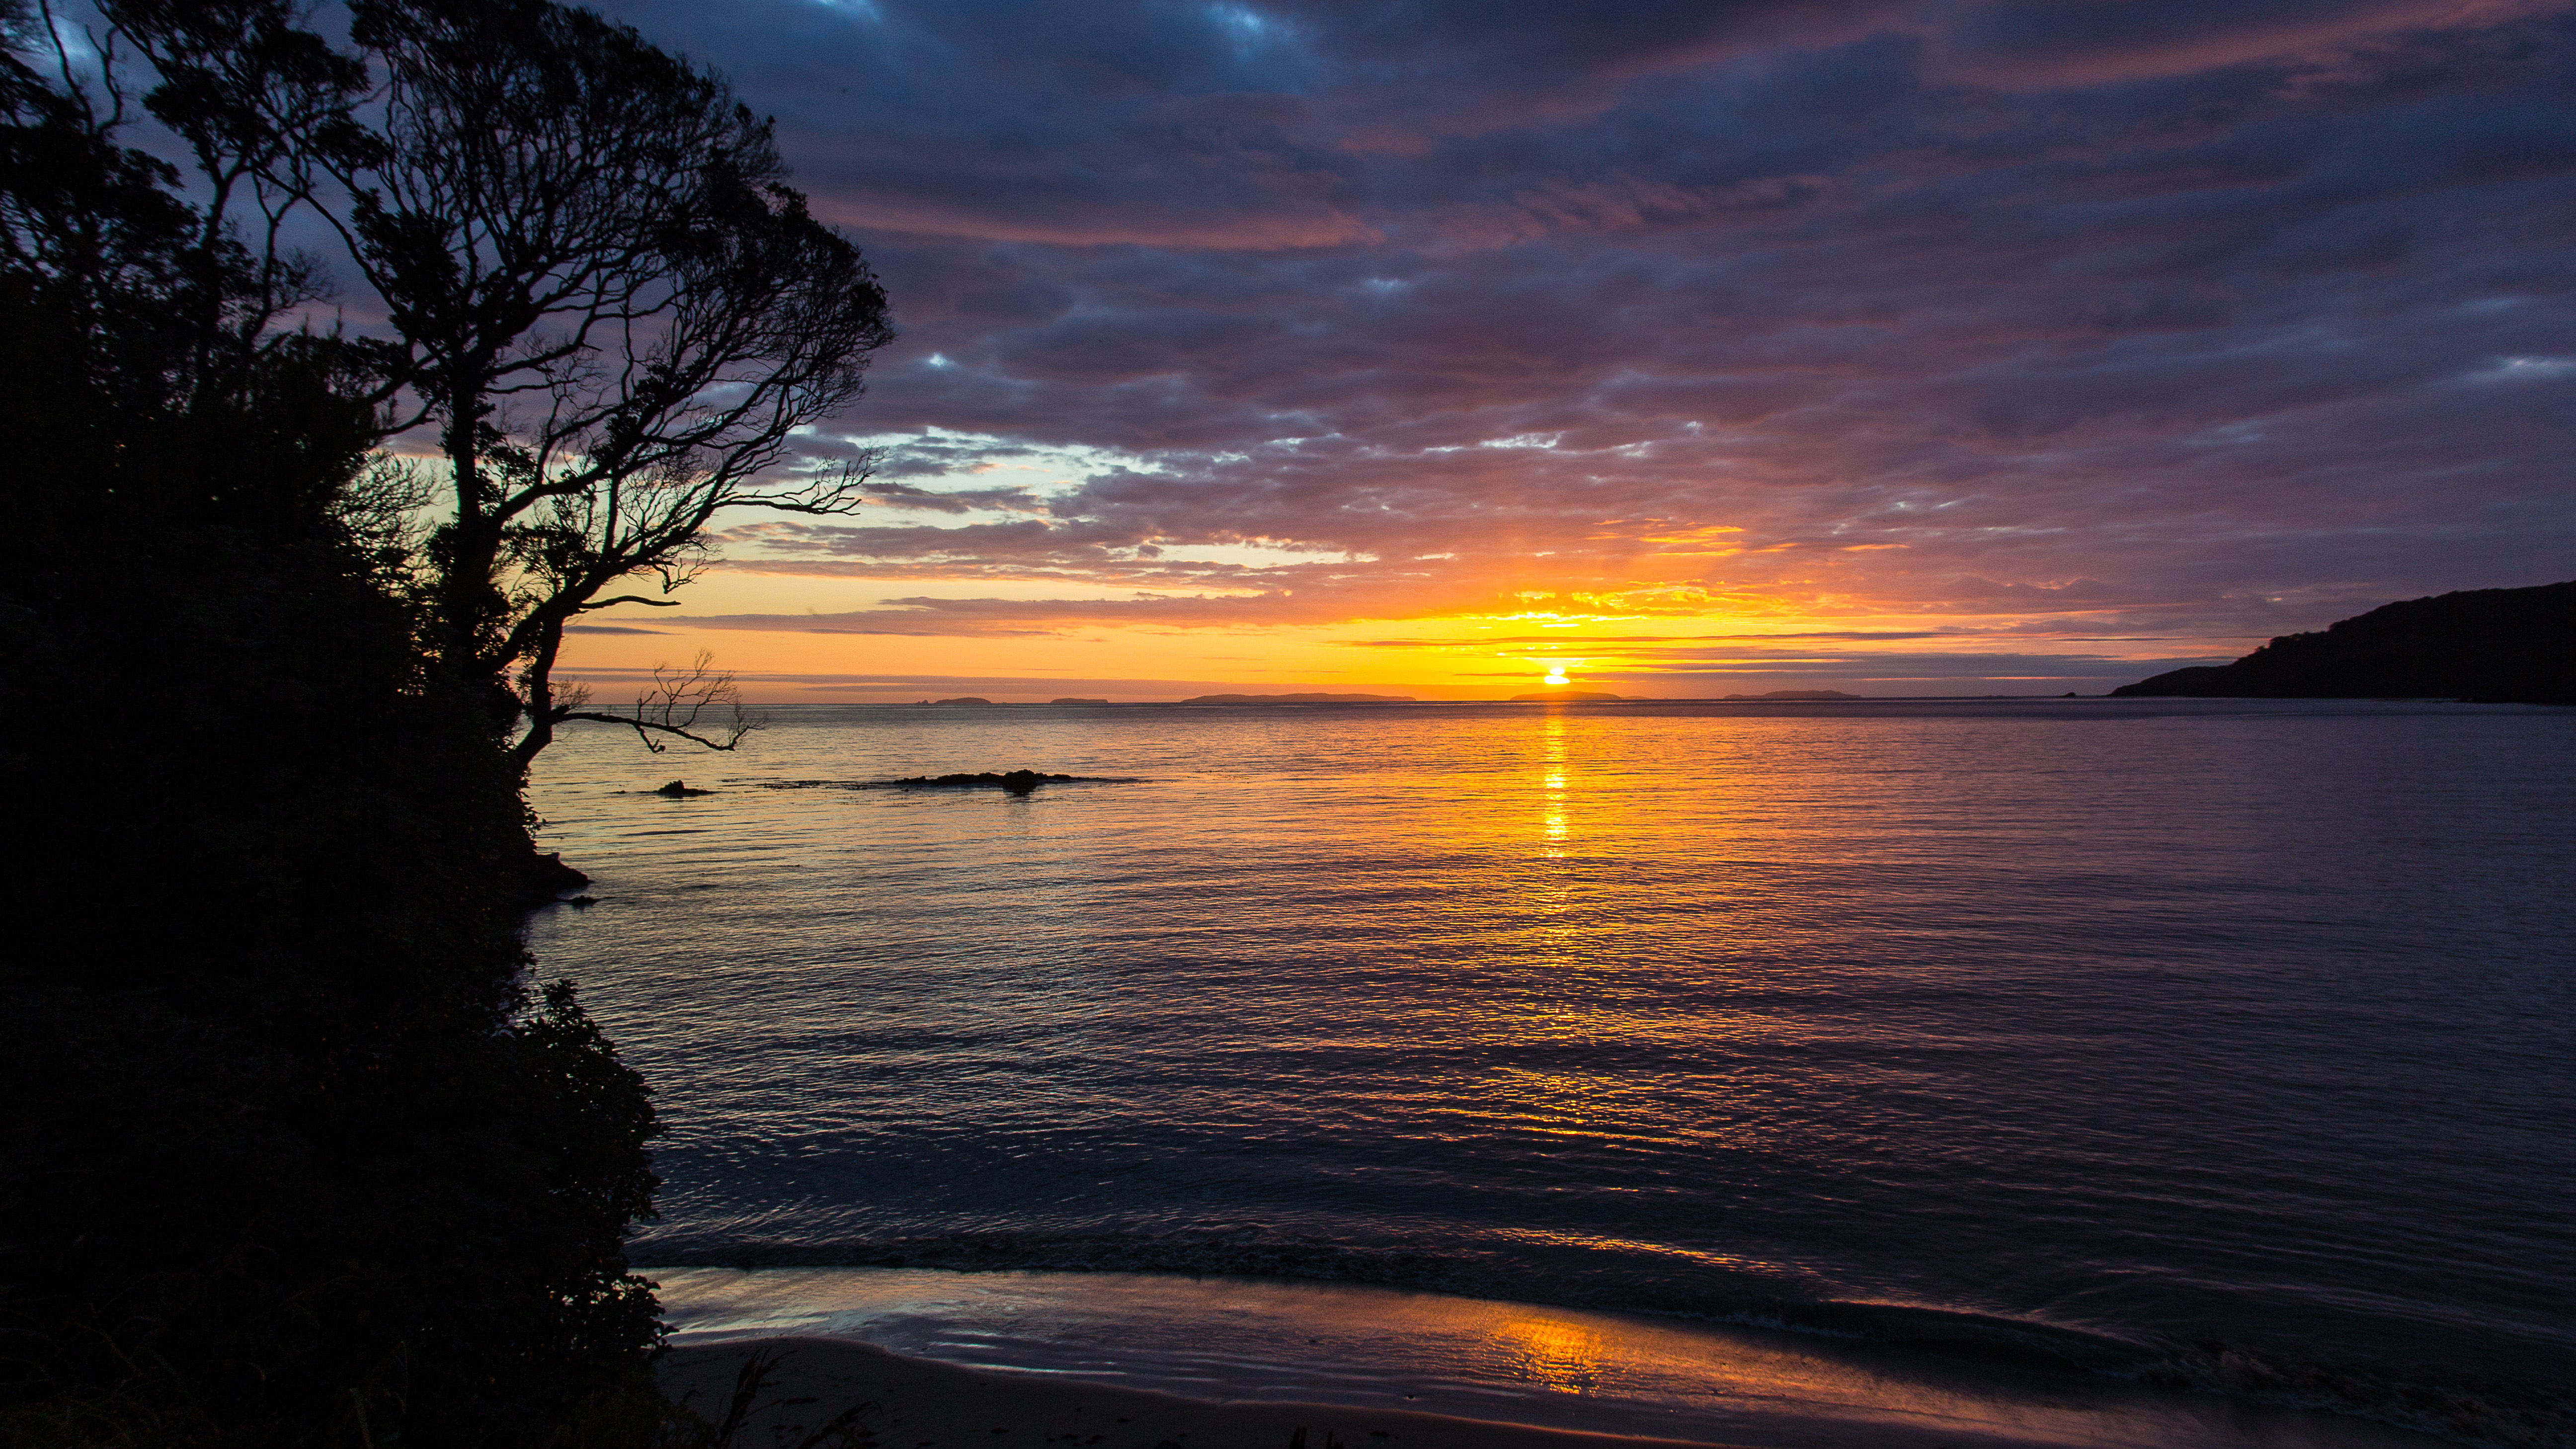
(1556, 674)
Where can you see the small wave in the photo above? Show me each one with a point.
(2487, 1414)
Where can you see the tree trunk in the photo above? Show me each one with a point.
(539, 679)
(467, 602)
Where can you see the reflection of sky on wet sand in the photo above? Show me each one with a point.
(1555, 1355)
(1346, 1344)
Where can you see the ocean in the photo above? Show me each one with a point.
(2224, 1047)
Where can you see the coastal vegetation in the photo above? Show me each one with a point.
(2495, 646)
(295, 1152)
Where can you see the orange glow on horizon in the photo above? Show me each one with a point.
(1032, 642)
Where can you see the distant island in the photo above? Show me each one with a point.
(1300, 699)
(1071, 700)
(1586, 696)
(2489, 646)
(966, 699)
(1794, 694)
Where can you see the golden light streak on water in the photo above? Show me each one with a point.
(2225, 1022)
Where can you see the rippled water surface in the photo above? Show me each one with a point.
(2177, 1023)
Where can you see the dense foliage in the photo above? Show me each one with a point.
(2486, 645)
(290, 1155)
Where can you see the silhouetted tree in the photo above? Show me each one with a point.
(611, 305)
(605, 297)
(289, 1155)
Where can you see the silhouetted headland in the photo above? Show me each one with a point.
(2487, 646)
(1018, 782)
(1300, 699)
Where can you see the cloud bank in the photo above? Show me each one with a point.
(2165, 326)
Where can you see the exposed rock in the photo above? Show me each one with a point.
(1017, 782)
(545, 879)
(677, 789)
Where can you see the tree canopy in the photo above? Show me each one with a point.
(296, 1153)
(602, 296)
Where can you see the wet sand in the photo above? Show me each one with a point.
(915, 1403)
(1250, 1359)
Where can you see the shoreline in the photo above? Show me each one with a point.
(1246, 1357)
(906, 1402)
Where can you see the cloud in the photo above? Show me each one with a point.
(2190, 320)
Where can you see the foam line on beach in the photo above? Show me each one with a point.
(1238, 1342)
(923, 1403)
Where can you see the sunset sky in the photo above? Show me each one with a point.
(1898, 348)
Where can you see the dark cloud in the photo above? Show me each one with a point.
(2188, 319)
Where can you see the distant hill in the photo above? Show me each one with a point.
(2487, 645)
(1792, 694)
(1301, 699)
(1544, 696)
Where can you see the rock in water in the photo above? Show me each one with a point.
(546, 879)
(1018, 782)
(677, 788)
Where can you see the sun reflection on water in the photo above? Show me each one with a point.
(1554, 786)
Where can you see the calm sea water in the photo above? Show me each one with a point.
(2228, 1042)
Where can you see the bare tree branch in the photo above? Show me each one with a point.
(600, 286)
(610, 299)
(677, 704)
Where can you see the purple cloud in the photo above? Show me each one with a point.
(2174, 321)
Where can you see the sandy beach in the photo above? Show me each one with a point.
(1201, 1361)
(916, 1403)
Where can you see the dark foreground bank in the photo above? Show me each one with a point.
(291, 1155)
